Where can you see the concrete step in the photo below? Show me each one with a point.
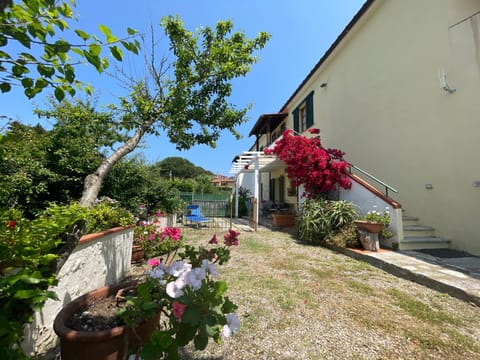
(418, 231)
(423, 242)
(409, 220)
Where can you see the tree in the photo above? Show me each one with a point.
(188, 97)
(178, 167)
(34, 56)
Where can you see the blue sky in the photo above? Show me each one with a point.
(301, 31)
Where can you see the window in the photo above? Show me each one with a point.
(303, 114)
(303, 118)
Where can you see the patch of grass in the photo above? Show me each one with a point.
(361, 287)
(461, 342)
(255, 246)
(420, 310)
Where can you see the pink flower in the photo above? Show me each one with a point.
(173, 233)
(158, 213)
(178, 310)
(213, 240)
(153, 262)
(151, 236)
(314, 131)
(231, 238)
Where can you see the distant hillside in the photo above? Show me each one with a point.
(181, 168)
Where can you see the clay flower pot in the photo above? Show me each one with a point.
(283, 220)
(99, 345)
(371, 227)
(137, 254)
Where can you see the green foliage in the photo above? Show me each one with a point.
(157, 241)
(24, 170)
(31, 27)
(192, 301)
(27, 249)
(320, 219)
(346, 236)
(191, 102)
(178, 167)
(41, 166)
(107, 214)
(243, 195)
(380, 217)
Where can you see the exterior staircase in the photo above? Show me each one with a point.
(417, 236)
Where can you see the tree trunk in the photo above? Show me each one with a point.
(93, 182)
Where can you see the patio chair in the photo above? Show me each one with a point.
(194, 215)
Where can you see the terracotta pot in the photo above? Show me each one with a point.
(137, 254)
(99, 345)
(371, 227)
(283, 220)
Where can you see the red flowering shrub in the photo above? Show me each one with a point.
(307, 162)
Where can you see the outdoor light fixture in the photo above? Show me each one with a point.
(323, 85)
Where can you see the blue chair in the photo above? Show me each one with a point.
(194, 214)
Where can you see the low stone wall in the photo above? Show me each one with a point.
(99, 259)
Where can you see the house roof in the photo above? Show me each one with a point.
(267, 122)
(332, 47)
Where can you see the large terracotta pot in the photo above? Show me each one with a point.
(137, 254)
(283, 220)
(371, 227)
(110, 344)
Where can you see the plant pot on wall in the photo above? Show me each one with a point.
(283, 220)
(102, 344)
(371, 227)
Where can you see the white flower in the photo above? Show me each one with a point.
(194, 278)
(179, 267)
(209, 267)
(175, 288)
(232, 326)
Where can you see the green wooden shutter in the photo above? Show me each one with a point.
(309, 106)
(296, 125)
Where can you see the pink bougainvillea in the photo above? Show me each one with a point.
(307, 162)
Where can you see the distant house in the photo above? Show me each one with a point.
(399, 92)
(223, 181)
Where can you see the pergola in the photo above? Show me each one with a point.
(253, 162)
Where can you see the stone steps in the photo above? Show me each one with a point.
(417, 236)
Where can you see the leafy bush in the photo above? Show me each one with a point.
(346, 237)
(106, 214)
(321, 219)
(27, 250)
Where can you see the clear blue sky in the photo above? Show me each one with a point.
(301, 31)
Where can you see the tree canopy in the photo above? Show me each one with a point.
(35, 55)
(186, 97)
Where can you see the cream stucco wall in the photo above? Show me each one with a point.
(385, 107)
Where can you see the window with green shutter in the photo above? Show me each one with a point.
(303, 114)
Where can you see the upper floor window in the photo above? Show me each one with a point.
(303, 114)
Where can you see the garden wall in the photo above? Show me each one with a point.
(99, 259)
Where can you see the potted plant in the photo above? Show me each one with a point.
(283, 216)
(374, 223)
(181, 291)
